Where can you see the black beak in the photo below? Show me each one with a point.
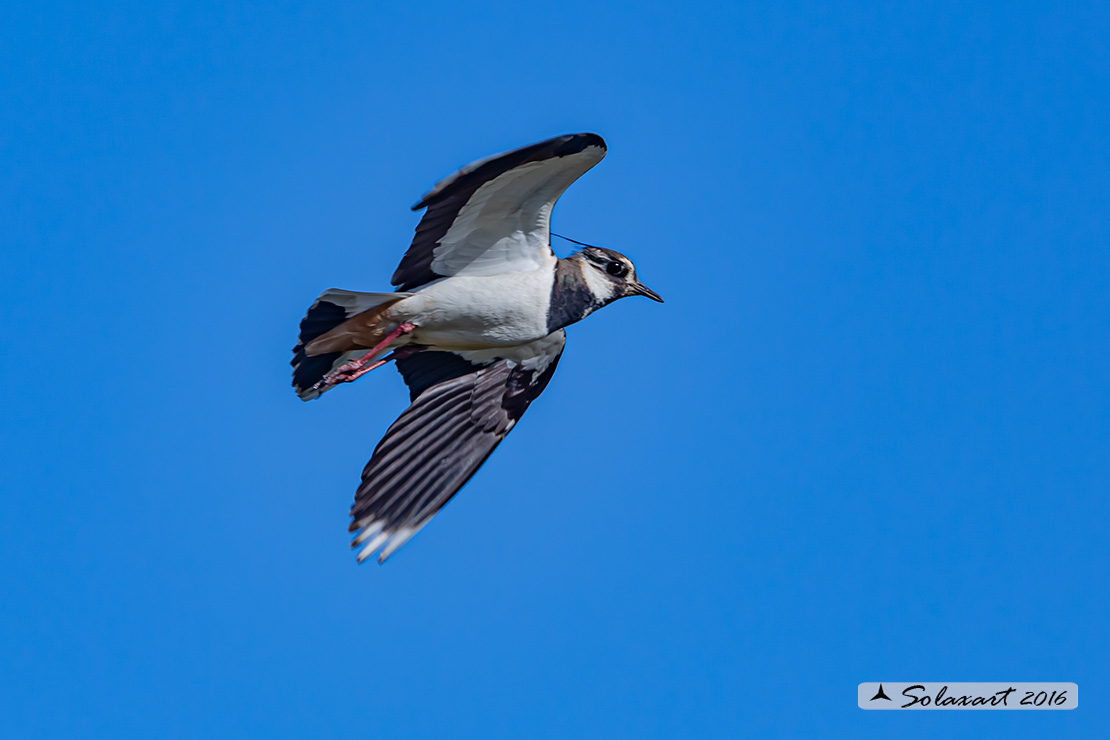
(641, 289)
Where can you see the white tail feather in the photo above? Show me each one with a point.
(354, 302)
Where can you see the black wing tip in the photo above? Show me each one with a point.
(584, 140)
(564, 146)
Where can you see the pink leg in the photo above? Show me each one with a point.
(347, 373)
(358, 367)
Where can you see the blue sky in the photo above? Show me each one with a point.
(866, 438)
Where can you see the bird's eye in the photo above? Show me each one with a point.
(616, 269)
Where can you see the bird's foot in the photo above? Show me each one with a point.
(359, 366)
(350, 372)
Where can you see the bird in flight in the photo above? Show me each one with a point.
(475, 326)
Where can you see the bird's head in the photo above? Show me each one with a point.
(610, 275)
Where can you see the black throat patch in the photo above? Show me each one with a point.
(571, 298)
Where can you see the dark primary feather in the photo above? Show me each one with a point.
(446, 200)
(460, 414)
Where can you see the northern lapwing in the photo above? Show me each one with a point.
(476, 328)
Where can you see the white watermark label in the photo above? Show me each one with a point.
(967, 695)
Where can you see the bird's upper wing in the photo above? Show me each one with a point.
(493, 216)
(463, 405)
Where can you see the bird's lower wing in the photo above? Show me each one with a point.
(463, 406)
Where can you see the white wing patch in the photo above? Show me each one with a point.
(353, 302)
(505, 225)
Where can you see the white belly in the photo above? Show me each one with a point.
(470, 312)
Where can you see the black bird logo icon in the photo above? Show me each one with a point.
(881, 695)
